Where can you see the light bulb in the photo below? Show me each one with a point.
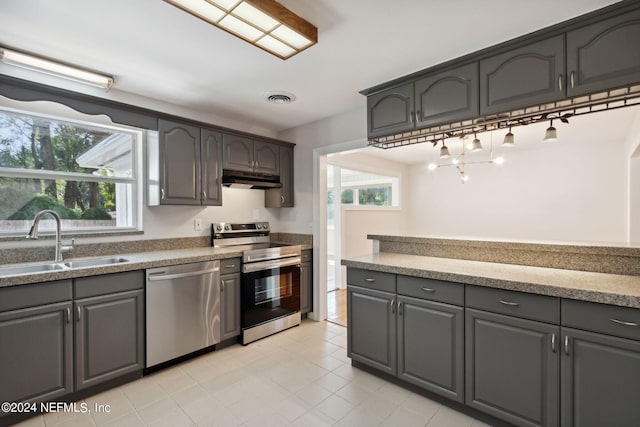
(498, 160)
(455, 161)
(432, 166)
(464, 178)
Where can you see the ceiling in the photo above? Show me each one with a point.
(157, 52)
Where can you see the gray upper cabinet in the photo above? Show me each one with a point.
(447, 96)
(390, 111)
(604, 55)
(248, 155)
(179, 163)
(211, 163)
(512, 368)
(522, 77)
(282, 197)
(190, 166)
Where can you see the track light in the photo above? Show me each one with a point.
(509, 140)
(476, 145)
(550, 134)
(444, 152)
(54, 68)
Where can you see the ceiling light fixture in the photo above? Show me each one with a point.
(263, 23)
(55, 68)
(444, 152)
(460, 161)
(509, 140)
(476, 145)
(551, 134)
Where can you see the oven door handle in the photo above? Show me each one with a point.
(269, 265)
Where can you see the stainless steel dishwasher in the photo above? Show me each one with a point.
(183, 310)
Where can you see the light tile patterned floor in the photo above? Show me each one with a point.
(299, 377)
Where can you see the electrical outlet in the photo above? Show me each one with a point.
(197, 224)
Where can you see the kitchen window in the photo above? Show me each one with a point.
(86, 172)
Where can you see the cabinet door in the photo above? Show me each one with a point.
(282, 197)
(603, 55)
(512, 368)
(36, 353)
(230, 306)
(237, 153)
(211, 155)
(266, 158)
(306, 285)
(431, 345)
(390, 111)
(523, 77)
(448, 96)
(109, 337)
(371, 328)
(600, 380)
(179, 163)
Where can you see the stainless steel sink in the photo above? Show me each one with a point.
(31, 268)
(94, 262)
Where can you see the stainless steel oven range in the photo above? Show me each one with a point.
(270, 285)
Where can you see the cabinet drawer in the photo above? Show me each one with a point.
(519, 304)
(306, 256)
(607, 319)
(230, 265)
(109, 284)
(431, 289)
(23, 296)
(371, 279)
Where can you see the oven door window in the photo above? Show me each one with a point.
(269, 294)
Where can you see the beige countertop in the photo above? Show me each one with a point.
(580, 285)
(135, 261)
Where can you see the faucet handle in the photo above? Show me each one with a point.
(69, 248)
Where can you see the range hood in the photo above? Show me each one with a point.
(241, 179)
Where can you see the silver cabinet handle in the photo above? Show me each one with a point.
(230, 266)
(560, 82)
(282, 199)
(400, 308)
(512, 304)
(572, 78)
(79, 313)
(368, 279)
(566, 345)
(428, 289)
(256, 164)
(68, 315)
(553, 343)
(417, 116)
(621, 322)
(222, 286)
(162, 193)
(204, 195)
(393, 306)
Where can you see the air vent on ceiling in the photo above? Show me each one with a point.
(280, 97)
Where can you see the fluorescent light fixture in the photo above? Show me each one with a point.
(54, 68)
(264, 23)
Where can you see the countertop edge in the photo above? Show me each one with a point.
(399, 264)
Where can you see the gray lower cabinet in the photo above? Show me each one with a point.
(522, 77)
(602, 56)
(230, 286)
(600, 365)
(230, 305)
(108, 337)
(36, 353)
(431, 346)
(512, 368)
(371, 335)
(306, 282)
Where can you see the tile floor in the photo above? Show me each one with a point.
(299, 377)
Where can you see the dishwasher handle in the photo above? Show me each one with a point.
(163, 276)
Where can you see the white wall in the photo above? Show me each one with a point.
(574, 189)
(633, 148)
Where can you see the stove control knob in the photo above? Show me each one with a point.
(219, 227)
(266, 226)
(227, 227)
(259, 226)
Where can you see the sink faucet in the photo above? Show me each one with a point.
(33, 233)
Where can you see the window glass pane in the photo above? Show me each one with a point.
(347, 197)
(374, 196)
(33, 142)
